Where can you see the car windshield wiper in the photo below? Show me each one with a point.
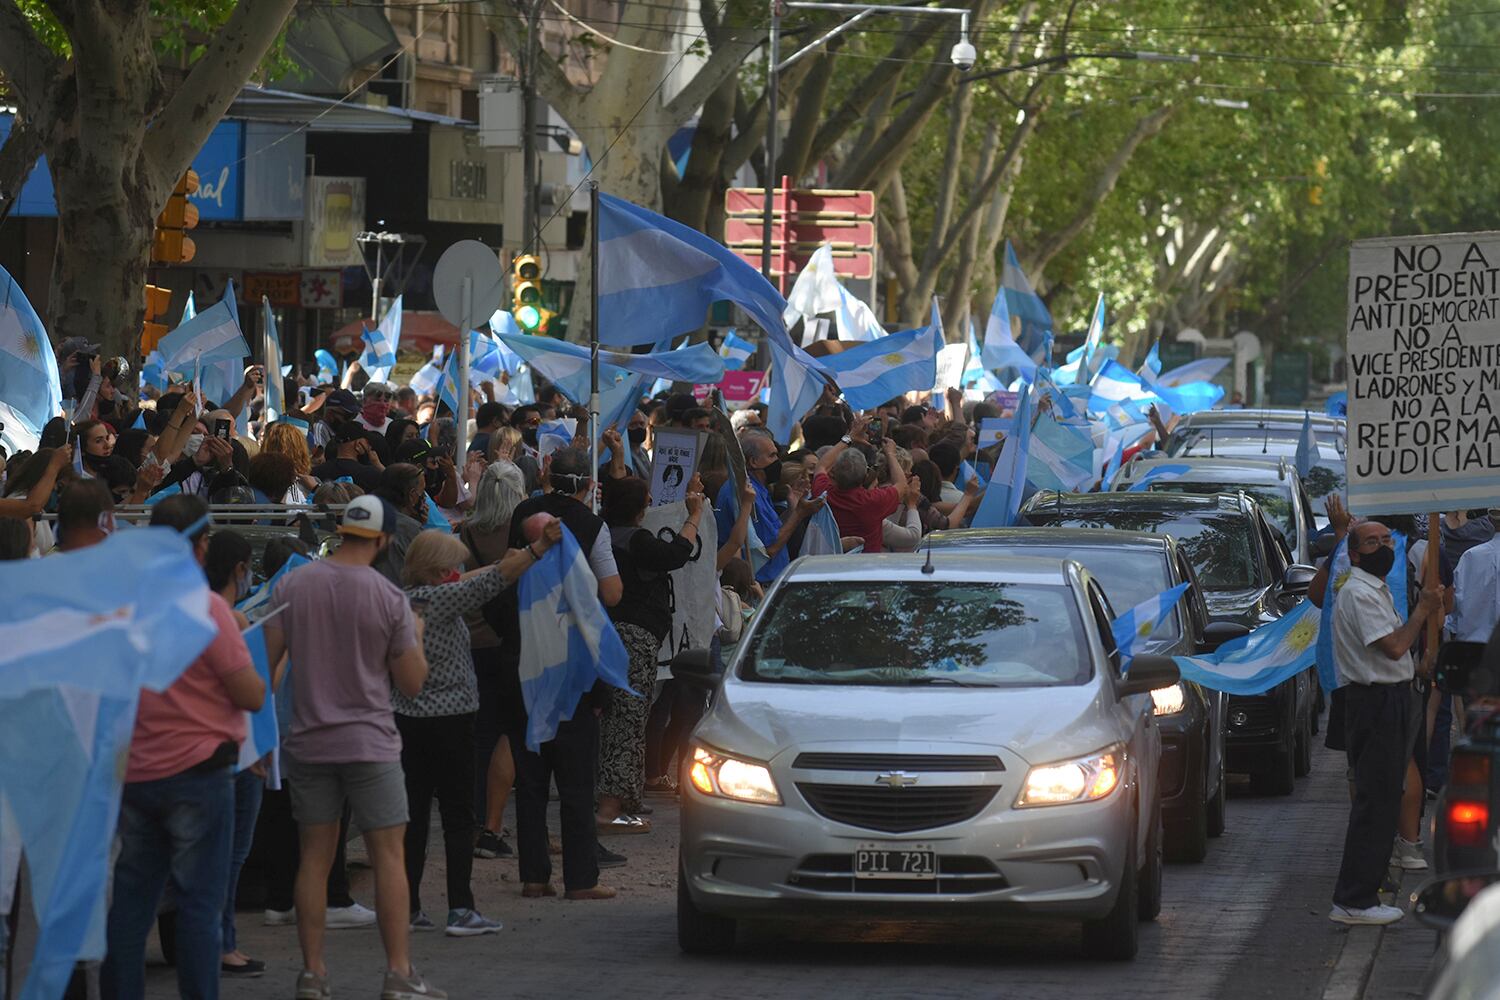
(948, 681)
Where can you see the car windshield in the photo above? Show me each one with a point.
(1195, 440)
(1219, 546)
(1129, 576)
(916, 634)
(1275, 501)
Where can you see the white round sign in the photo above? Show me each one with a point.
(473, 260)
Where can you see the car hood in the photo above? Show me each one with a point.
(1250, 608)
(764, 721)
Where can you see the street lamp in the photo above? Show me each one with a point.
(963, 56)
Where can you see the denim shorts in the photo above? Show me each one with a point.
(376, 792)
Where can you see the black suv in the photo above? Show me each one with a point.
(1134, 566)
(1248, 578)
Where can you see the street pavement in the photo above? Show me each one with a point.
(1250, 921)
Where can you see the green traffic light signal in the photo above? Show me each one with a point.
(528, 317)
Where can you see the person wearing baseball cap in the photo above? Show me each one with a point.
(338, 406)
(354, 636)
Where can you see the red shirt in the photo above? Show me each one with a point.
(861, 510)
(183, 725)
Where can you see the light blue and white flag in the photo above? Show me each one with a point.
(735, 350)
(795, 388)
(1001, 502)
(567, 365)
(1191, 397)
(382, 343)
(29, 382)
(1339, 569)
(975, 375)
(1337, 405)
(209, 336)
(1202, 370)
(256, 605)
(822, 537)
(1025, 305)
(873, 373)
(1158, 473)
(1151, 368)
(78, 641)
(1001, 351)
(1114, 384)
(1255, 663)
(447, 388)
(189, 310)
(1307, 447)
(657, 276)
(817, 291)
(328, 366)
(16, 432)
(1137, 624)
(261, 735)
(153, 373)
(992, 431)
(1060, 456)
(1112, 466)
(425, 380)
(436, 520)
(275, 397)
(1089, 361)
(1066, 409)
(567, 640)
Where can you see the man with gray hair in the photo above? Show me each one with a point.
(763, 471)
(843, 472)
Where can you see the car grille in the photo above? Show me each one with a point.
(896, 762)
(957, 875)
(1262, 718)
(897, 810)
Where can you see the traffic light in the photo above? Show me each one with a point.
(158, 300)
(526, 294)
(1320, 172)
(170, 243)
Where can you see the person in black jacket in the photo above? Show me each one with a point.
(643, 617)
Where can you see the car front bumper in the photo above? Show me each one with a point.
(742, 860)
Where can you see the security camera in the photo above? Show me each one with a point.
(964, 55)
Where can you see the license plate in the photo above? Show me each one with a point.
(909, 861)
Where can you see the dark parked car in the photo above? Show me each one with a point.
(1132, 567)
(1248, 578)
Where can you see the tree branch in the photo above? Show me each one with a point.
(895, 233)
(792, 158)
(30, 67)
(214, 81)
(723, 62)
(506, 21)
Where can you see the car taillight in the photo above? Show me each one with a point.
(1470, 769)
(1468, 822)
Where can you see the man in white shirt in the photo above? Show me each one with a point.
(1476, 590)
(1372, 647)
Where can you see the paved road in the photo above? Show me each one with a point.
(1248, 922)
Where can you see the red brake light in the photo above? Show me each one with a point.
(1468, 822)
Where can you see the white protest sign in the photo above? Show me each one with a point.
(1424, 373)
(673, 460)
(951, 360)
(694, 586)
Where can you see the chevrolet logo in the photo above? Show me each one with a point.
(896, 779)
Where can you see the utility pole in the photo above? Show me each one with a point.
(773, 70)
(530, 238)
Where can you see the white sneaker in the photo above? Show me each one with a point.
(281, 918)
(1408, 856)
(1379, 914)
(345, 917)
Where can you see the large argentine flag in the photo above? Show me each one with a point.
(566, 363)
(211, 335)
(658, 278)
(817, 292)
(567, 641)
(1256, 663)
(1114, 384)
(29, 382)
(1137, 624)
(873, 373)
(1035, 335)
(1194, 371)
(1061, 456)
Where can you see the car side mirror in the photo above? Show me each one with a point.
(1295, 584)
(1460, 670)
(1147, 673)
(695, 668)
(1441, 902)
(1215, 634)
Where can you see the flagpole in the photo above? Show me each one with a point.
(594, 428)
(461, 390)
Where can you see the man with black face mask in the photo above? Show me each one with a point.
(763, 468)
(527, 419)
(1372, 647)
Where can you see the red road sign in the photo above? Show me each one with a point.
(809, 201)
(846, 233)
(846, 263)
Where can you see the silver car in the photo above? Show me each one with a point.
(909, 740)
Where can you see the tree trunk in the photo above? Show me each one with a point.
(695, 192)
(958, 305)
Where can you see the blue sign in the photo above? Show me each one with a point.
(220, 167)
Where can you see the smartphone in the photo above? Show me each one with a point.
(221, 428)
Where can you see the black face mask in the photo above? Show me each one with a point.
(637, 435)
(1379, 562)
(772, 473)
(528, 434)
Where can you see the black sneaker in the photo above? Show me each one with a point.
(491, 845)
(609, 859)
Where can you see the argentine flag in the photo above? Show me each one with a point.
(152, 372)
(567, 364)
(275, 392)
(1151, 368)
(567, 641)
(425, 380)
(209, 336)
(1165, 473)
(262, 736)
(1307, 447)
(817, 292)
(1339, 569)
(1061, 456)
(1255, 663)
(1035, 336)
(1201, 370)
(382, 343)
(822, 537)
(1089, 360)
(29, 382)
(328, 367)
(873, 373)
(1137, 624)
(1000, 348)
(735, 351)
(1001, 501)
(1114, 384)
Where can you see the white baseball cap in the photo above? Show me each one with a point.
(368, 517)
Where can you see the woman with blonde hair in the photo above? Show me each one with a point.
(437, 726)
(282, 438)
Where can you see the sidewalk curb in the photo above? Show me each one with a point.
(1351, 972)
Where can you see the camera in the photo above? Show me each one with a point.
(963, 54)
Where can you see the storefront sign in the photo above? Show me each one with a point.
(335, 213)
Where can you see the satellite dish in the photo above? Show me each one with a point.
(473, 260)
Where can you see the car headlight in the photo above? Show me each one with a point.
(727, 777)
(1081, 780)
(1168, 700)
